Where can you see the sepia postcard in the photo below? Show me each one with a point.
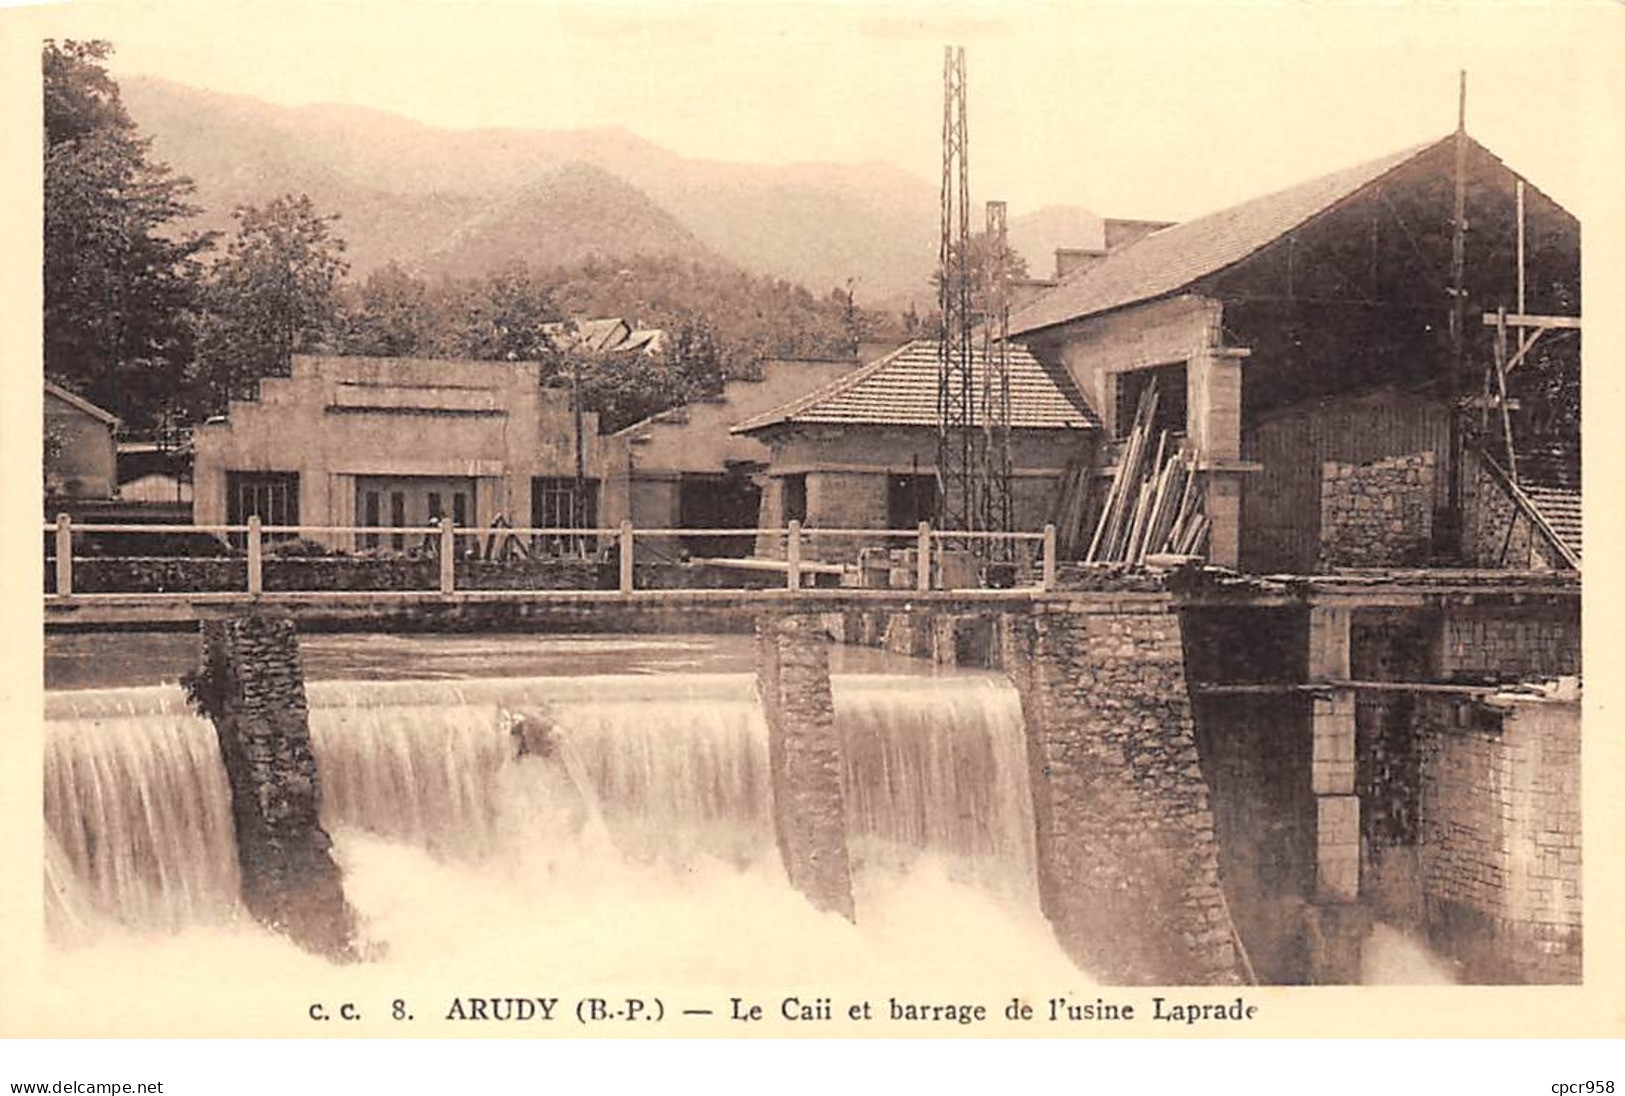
(717, 520)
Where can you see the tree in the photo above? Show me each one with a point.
(273, 294)
(120, 276)
(505, 317)
(387, 316)
(984, 263)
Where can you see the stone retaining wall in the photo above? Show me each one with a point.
(132, 575)
(1128, 859)
(1500, 852)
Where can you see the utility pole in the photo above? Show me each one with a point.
(1458, 320)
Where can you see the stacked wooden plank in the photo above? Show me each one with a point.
(1072, 505)
(1154, 504)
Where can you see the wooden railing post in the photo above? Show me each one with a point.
(922, 581)
(1049, 557)
(626, 557)
(792, 556)
(448, 556)
(256, 578)
(64, 556)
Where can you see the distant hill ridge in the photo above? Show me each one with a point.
(463, 201)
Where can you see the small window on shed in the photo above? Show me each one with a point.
(1170, 382)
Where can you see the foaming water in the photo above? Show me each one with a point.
(137, 814)
(669, 768)
(1393, 957)
(618, 827)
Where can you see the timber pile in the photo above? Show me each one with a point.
(1072, 512)
(1154, 504)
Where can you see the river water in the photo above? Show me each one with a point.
(640, 851)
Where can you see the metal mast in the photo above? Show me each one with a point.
(993, 472)
(956, 395)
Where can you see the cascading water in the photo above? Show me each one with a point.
(137, 814)
(650, 769)
(666, 768)
(938, 767)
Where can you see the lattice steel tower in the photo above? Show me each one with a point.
(957, 457)
(993, 467)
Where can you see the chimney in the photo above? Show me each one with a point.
(1022, 290)
(1121, 233)
(1070, 260)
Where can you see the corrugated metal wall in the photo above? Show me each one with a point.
(1281, 504)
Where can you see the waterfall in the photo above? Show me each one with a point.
(648, 769)
(938, 766)
(667, 767)
(137, 814)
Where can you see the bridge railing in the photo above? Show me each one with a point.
(930, 552)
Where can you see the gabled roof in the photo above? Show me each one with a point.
(1174, 258)
(74, 400)
(900, 389)
(610, 335)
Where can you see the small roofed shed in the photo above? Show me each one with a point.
(1312, 327)
(861, 452)
(80, 453)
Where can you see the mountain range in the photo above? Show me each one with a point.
(467, 201)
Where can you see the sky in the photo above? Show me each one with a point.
(1159, 110)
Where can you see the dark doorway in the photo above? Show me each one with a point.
(910, 499)
(718, 502)
(795, 498)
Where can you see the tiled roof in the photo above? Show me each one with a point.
(1560, 507)
(900, 389)
(1172, 259)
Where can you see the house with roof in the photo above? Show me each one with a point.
(860, 452)
(610, 335)
(684, 468)
(81, 455)
(394, 443)
(1337, 391)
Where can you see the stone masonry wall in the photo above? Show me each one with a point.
(252, 687)
(134, 575)
(1507, 643)
(1486, 539)
(804, 751)
(1500, 851)
(1128, 860)
(1378, 514)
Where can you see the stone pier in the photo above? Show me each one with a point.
(804, 750)
(252, 687)
(1128, 862)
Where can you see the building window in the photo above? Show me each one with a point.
(563, 502)
(1170, 382)
(273, 496)
(795, 498)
